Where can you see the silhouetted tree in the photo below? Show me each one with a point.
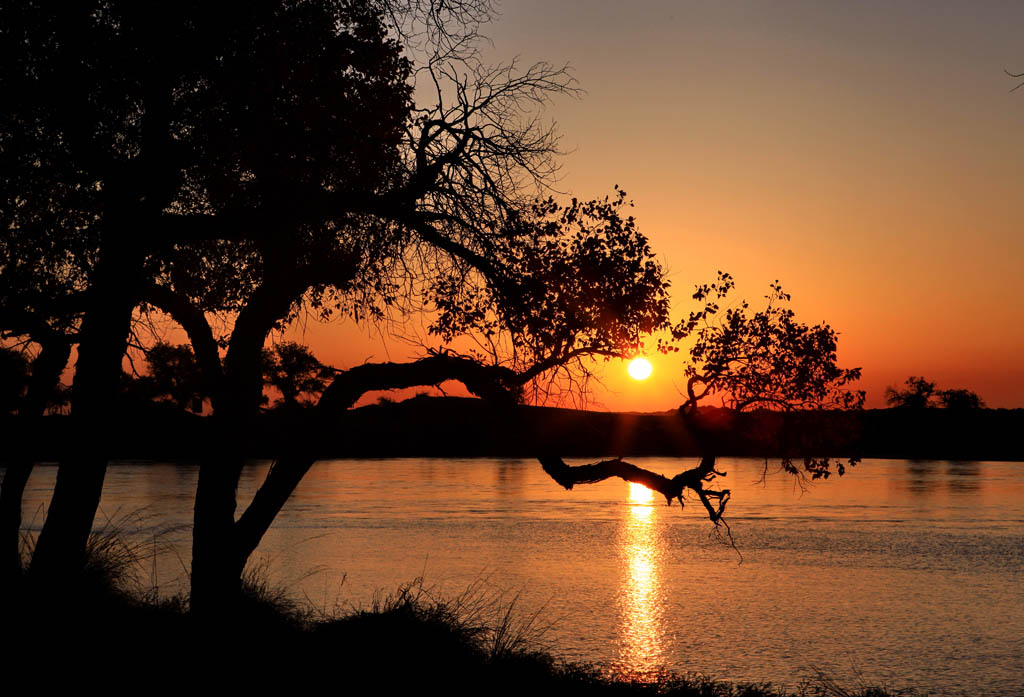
(181, 169)
(172, 377)
(40, 310)
(960, 399)
(919, 394)
(279, 163)
(763, 360)
(295, 372)
(175, 375)
(922, 394)
(47, 243)
(519, 301)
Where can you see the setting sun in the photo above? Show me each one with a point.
(638, 493)
(639, 369)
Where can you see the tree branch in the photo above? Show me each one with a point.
(194, 322)
(489, 382)
(568, 476)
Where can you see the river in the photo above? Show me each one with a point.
(903, 574)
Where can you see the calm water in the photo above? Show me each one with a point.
(901, 574)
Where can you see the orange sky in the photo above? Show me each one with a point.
(868, 155)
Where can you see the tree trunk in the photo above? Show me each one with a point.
(271, 497)
(46, 371)
(216, 564)
(221, 547)
(15, 478)
(62, 543)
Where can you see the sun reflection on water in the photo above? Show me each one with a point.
(642, 648)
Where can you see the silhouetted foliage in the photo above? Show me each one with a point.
(172, 377)
(767, 359)
(918, 394)
(960, 399)
(922, 394)
(576, 281)
(296, 373)
(176, 375)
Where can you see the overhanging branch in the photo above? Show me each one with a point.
(489, 382)
(569, 476)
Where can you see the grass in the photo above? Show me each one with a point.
(111, 629)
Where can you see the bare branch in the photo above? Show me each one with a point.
(695, 479)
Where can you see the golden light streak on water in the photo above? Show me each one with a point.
(642, 649)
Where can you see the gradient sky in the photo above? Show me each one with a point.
(869, 155)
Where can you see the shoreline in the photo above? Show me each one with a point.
(463, 427)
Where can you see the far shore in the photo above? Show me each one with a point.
(460, 427)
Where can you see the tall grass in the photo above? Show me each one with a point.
(120, 553)
(487, 617)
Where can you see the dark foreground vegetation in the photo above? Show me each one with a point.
(106, 630)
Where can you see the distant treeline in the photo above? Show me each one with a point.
(455, 427)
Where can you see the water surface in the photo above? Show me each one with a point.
(900, 574)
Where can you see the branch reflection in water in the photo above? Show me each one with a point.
(641, 626)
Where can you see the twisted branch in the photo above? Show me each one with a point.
(694, 479)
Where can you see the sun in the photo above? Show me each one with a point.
(639, 369)
(638, 493)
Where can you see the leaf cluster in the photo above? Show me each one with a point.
(571, 280)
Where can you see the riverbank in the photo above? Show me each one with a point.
(121, 640)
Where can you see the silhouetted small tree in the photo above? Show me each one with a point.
(919, 394)
(922, 394)
(172, 378)
(295, 372)
(960, 399)
(175, 375)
